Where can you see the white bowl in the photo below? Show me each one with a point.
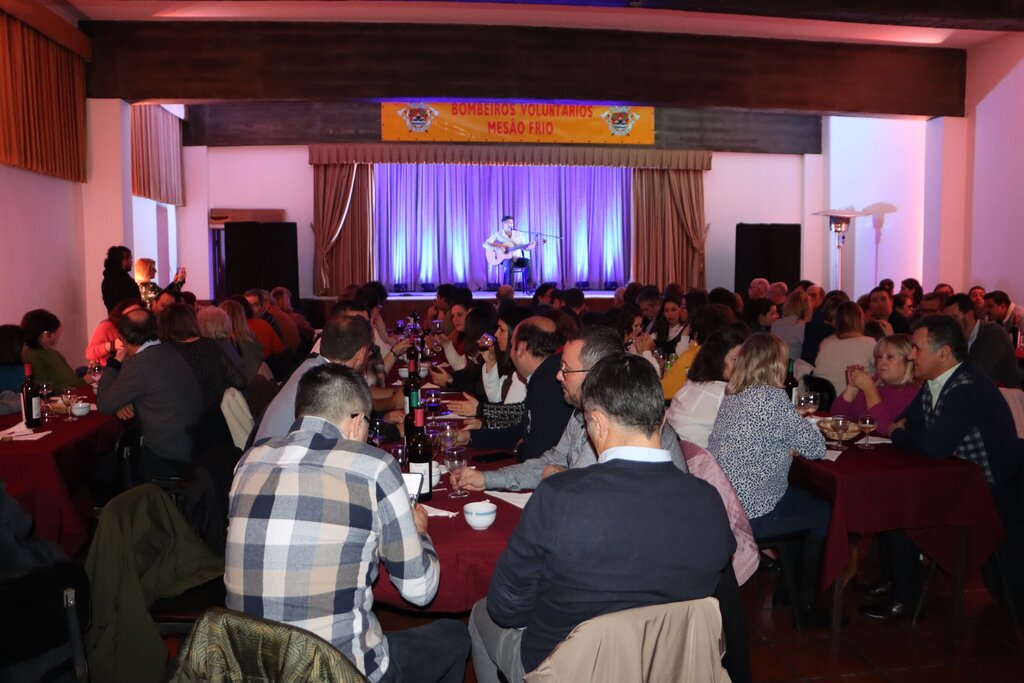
(79, 409)
(480, 515)
(435, 476)
(424, 371)
(403, 373)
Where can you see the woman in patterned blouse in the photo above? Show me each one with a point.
(755, 436)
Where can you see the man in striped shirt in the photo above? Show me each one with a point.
(312, 513)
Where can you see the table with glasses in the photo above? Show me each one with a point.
(49, 476)
(467, 557)
(944, 505)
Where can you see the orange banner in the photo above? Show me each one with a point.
(516, 122)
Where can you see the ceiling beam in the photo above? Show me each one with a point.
(238, 61)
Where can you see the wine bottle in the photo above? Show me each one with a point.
(421, 453)
(411, 386)
(413, 401)
(791, 383)
(31, 402)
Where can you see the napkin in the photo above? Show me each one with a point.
(435, 512)
(517, 499)
(832, 455)
(21, 433)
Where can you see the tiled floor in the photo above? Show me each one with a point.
(987, 651)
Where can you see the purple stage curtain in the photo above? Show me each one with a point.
(431, 221)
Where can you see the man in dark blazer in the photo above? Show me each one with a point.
(154, 383)
(989, 346)
(958, 412)
(533, 351)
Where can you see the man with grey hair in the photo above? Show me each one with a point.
(574, 449)
(312, 513)
(630, 531)
(505, 294)
(758, 289)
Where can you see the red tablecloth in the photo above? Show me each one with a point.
(467, 556)
(49, 477)
(885, 488)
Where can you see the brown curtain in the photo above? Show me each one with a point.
(342, 220)
(156, 154)
(510, 155)
(42, 103)
(668, 227)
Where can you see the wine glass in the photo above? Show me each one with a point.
(455, 460)
(437, 326)
(840, 423)
(432, 401)
(659, 356)
(377, 432)
(94, 372)
(401, 456)
(808, 403)
(67, 397)
(449, 436)
(867, 424)
(45, 390)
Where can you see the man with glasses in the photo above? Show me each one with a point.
(573, 449)
(629, 531)
(312, 513)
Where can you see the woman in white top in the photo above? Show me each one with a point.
(848, 346)
(694, 407)
(672, 328)
(454, 344)
(790, 327)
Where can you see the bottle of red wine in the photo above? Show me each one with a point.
(791, 383)
(413, 402)
(411, 386)
(421, 453)
(31, 401)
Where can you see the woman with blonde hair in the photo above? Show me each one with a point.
(790, 327)
(886, 394)
(145, 271)
(755, 436)
(244, 340)
(849, 346)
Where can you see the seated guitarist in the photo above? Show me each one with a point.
(509, 243)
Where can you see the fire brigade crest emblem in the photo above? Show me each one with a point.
(418, 116)
(620, 120)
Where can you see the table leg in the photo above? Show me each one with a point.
(959, 578)
(836, 616)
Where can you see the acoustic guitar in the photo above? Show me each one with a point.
(498, 255)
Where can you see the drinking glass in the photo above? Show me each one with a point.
(45, 390)
(867, 425)
(400, 326)
(840, 423)
(437, 326)
(432, 401)
(377, 432)
(67, 397)
(433, 431)
(455, 460)
(95, 371)
(449, 436)
(401, 456)
(659, 356)
(809, 402)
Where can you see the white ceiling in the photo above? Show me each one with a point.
(563, 16)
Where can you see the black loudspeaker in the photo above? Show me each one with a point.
(768, 250)
(261, 256)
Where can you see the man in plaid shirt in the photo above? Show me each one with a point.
(958, 412)
(312, 513)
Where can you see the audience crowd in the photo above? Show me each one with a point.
(598, 407)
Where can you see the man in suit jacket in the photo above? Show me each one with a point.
(535, 342)
(989, 346)
(958, 412)
(156, 385)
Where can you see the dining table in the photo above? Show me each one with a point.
(49, 475)
(943, 504)
(467, 556)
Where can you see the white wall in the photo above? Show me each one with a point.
(194, 222)
(155, 236)
(749, 188)
(873, 162)
(41, 246)
(995, 100)
(266, 178)
(947, 240)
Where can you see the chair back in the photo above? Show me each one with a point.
(230, 646)
(41, 623)
(237, 415)
(702, 464)
(679, 641)
(823, 387)
(1015, 399)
